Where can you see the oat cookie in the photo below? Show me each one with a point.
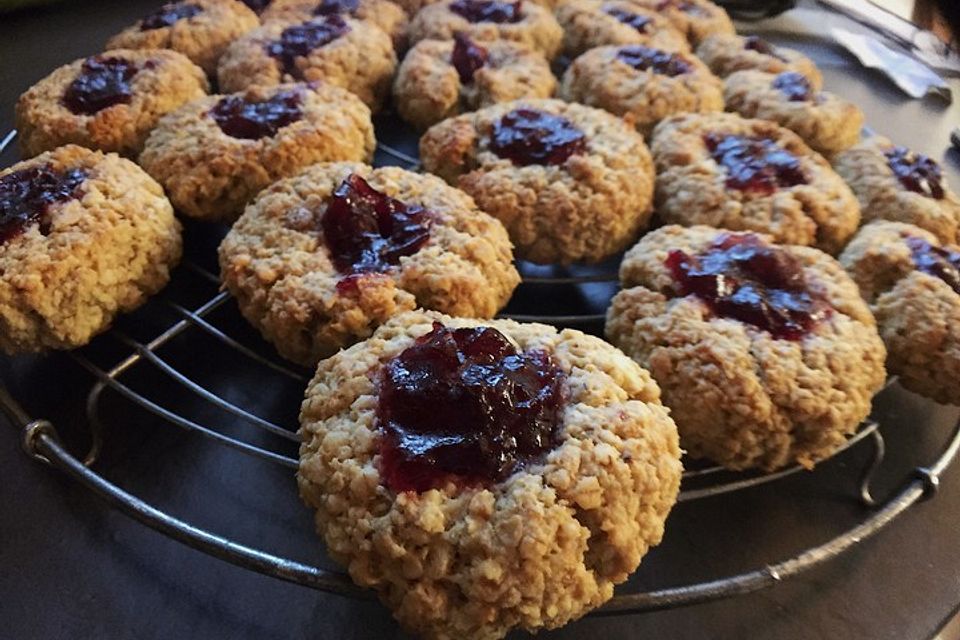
(642, 84)
(355, 55)
(894, 183)
(912, 283)
(766, 355)
(485, 533)
(412, 7)
(213, 155)
(524, 22)
(725, 54)
(826, 122)
(383, 13)
(439, 79)
(726, 171)
(108, 102)
(315, 269)
(199, 29)
(594, 23)
(83, 236)
(570, 183)
(696, 19)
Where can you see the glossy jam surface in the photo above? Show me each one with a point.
(529, 136)
(465, 405)
(257, 5)
(937, 261)
(742, 277)
(794, 86)
(467, 57)
(646, 58)
(169, 14)
(331, 7)
(755, 165)
(368, 231)
(488, 10)
(755, 43)
(239, 118)
(299, 40)
(635, 20)
(26, 195)
(916, 172)
(101, 83)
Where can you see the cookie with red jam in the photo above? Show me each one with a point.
(109, 101)
(439, 79)
(826, 122)
(912, 283)
(339, 50)
(199, 29)
(483, 476)
(320, 260)
(593, 23)
(517, 20)
(894, 183)
(696, 19)
(642, 84)
(84, 236)
(385, 14)
(741, 174)
(570, 183)
(727, 53)
(766, 354)
(215, 154)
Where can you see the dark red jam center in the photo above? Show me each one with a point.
(25, 196)
(465, 405)
(643, 58)
(794, 86)
(257, 5)
(756, 165)
(916, 172)
(334, 7)
(239, 118)
(488, 10)
(937, 261)
(758, 44)
(299, 40)
(744, 278)
(168, 14)
(101, 83)
(368, 231)
(467, 57)
(635, 20)
(528, 136)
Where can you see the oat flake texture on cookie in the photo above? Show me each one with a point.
(533, 550)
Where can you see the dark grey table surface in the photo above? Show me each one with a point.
(72, 568)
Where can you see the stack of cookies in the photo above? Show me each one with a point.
(483, 475)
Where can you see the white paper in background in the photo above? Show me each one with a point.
(915, 78)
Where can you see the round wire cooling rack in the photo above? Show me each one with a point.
(264, 436)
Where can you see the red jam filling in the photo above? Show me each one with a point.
(299, 40)
(529, 136)
(333, 7)
(239, 118)
(635, 20)
(755, 165)
(169, 14)
(368, 231)
(936, 261)
(101, 83)
(758, 44)
(795, 86)
(742, 277)
(488, 10)
(26, 195)
(467, 57)
(916, 172)
(465, 405)
(257, 5)
(644, 58)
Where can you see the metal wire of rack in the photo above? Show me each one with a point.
(42, 442)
